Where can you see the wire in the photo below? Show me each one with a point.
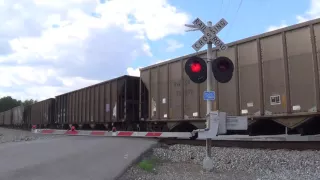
(227, 9)
(220, 8)
(239, 6)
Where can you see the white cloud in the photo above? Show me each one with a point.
(312, 13)
(136, 71)
(282, 25)
(51, 47)
(133, 72)
(173, 45)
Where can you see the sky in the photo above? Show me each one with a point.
(50, 47)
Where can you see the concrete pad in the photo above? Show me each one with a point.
(71, 158)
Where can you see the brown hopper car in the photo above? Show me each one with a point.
(8, 117)
(41, 113)
(17, 115)
(276, 77)
(1, 118)
(113, 102)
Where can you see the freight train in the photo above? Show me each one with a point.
(275, 83)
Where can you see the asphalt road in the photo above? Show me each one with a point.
(70, 158)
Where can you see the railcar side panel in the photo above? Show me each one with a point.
(61, 109)
(1, 118)
(154, 93)
(121, 99)
(43, 115)
(96, 104)
(301, 74)
(163, 92)
(175, 91)
(27, 116)
(145, 94)
(249, 78)
(102, 104)
(108, 110)
(77, 104)
(73, 108)
(114, 99)
(87, 107)
(8, 117)
(64, 105)
(273, 74)
(48, 111)
(83, 106)
(69, 109)
(17, 115)
(57, 114)
(131, 103)
(36, 114)
(91, 105)
(73, 120)
(316, 58)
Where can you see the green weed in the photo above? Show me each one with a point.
(148, 164)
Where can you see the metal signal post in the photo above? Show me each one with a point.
(207, 162)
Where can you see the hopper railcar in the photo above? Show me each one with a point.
(275, 84)
(40, 114)
(112, 103)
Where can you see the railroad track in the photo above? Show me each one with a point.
(273, 145)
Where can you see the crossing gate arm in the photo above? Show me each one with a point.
(110, 133)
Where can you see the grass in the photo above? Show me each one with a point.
(148, 164)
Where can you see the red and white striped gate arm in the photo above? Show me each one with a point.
(210, 132)
(110, 133)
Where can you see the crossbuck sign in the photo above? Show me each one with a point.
(210, 34)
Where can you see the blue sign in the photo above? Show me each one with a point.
(209, 95)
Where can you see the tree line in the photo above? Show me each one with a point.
(8, 102)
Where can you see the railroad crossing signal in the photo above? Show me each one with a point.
(196, 69)
(209, 34)
(222, 68)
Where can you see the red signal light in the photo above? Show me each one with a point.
(196, 67)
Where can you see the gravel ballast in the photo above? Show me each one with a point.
(15, 135)
(185, 162)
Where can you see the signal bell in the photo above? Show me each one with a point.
(196, 69)
(222, 68)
